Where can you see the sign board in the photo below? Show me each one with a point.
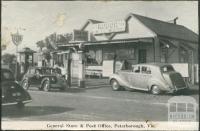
(182, 68)
(107, 68)
(118, 65)
(75, 56)
(110, 27)
(79, 35)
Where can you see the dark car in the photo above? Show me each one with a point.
(12, 92)
(44, 78)
(153, 77)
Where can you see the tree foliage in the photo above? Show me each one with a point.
(50, 43)
(8, 58)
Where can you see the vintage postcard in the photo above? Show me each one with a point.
(99, 65)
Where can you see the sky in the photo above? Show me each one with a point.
(37, 19)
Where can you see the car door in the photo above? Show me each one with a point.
(134, 76)
(145, 75)
(125, 75)
(32, 76)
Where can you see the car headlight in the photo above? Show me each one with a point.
(53, 79)
(17, 82)
(12, 87)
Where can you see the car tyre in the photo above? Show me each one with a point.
(155, 90)
(115, 85)
(25, 84)
(46, 85)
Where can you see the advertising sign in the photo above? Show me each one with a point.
(79, 35)
(110, 27)
(107, 68)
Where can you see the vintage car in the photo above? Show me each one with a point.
(153, 77)
(12, 92)
(45, 78)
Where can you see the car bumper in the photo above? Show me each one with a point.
(57, 85)
(177, 89)
(15, 103)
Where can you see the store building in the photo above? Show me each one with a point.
(136, 39)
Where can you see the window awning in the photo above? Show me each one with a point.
(122, 41)
(172, 44)
(63, 52)
(188, 47)
(168, 43)
(144, 40)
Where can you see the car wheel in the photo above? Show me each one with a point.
(25, 84)
(155, 90)
(115, 85)
(46, 85)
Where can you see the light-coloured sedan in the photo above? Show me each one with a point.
(153, 77)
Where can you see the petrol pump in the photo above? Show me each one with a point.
(26, 56)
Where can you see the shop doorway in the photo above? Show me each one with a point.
(142, 56)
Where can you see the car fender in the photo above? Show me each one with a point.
(121, 81)
(24, 80)
(44, 79)
(158, 82)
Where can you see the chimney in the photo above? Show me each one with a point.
(175, 19)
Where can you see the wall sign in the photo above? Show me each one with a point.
(110, 27)
(79, 35)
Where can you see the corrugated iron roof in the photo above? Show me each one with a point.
(166, 29)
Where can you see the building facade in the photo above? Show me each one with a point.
(136, 39)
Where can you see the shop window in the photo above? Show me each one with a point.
(183, 55)
(126, 53)
(94, 57)
(108, 55)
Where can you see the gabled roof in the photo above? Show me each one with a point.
(166, 29)
(90, 21)
(26, 50)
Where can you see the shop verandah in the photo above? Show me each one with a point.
(136, 39)
(101, 59)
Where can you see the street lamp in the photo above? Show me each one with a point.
(16, 39)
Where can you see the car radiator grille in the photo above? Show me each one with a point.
(177, 80)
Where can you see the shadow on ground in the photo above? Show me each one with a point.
(188, 92)
(33, 111)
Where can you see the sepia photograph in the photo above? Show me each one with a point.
(99, 65)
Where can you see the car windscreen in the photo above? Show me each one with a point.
(49, 71)
(167, 68)
(7, 75)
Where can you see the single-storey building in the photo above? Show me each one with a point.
(136, 39)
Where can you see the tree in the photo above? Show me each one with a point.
(46, 54)
(9, 58)
(41, 44)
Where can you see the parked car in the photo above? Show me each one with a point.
(44, 78)
(12, 92)
(153, 77)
